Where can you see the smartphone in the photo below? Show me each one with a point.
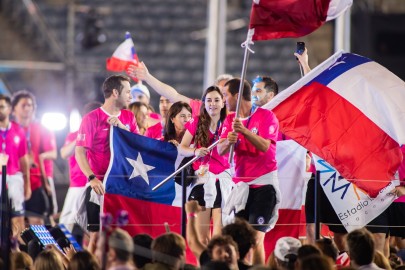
(44, 236)
(70, 237)
(300, 47)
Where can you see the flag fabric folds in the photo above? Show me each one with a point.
(291, 174)
(123, 56)
(272, 19)
(349, 111)
(137, 165)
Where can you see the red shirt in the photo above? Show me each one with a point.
(39, 140)
(94, 135)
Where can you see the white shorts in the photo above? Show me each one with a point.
(71, 206)
(15, 184)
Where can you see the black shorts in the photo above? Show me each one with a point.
(326, 211)
(197, 194)
(38, 204)
(259, 207)
(391, 221)
(93, 213)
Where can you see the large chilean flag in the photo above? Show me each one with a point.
(350, 111)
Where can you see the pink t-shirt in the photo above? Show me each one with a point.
(39, 140)
(155, 131)
(94, 135)
(77, 178)
(250, 163)
(14, 144)
(48, 163)
(195, 105)
(217, 163)
(156, 116)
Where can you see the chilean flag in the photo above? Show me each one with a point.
(349, 111)
(123, 56)
(272, 19)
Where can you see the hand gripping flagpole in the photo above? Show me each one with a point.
(245, 45)
(182, 167)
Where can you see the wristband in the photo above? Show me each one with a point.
(194, 151)
(191, 215)
(91, 177)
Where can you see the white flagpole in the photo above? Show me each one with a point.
(245, 45)
(182, 167)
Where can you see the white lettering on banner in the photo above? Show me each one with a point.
(354, 207)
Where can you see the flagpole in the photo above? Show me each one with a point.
(245, 45)
(182, 167)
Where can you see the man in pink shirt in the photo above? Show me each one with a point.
(156, 131)
(78, 180)
(93, 144)
(41, 152)
(254, 136)
(15, 156)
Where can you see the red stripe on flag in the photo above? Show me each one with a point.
(273, 19)
(118, 65)
(331, 127)
(146, 217)
(287, 225)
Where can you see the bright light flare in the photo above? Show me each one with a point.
(54, 121)
(74, 120)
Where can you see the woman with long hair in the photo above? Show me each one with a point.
(140, 111)
(212, 170)
(177, 116)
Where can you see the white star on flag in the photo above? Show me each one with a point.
(140, 168)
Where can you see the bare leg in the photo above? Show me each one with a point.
(36, 221)
(340, 241)
(217, 221)
(18, 226)
(203, 223)
(258, 250)
(379, 240)
(310, 233)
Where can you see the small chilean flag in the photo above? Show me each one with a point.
(271, 19)
(350, 111)
(123, 56)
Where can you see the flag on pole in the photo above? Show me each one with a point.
(349, 111)
(123, 56)
(270, 19)
(138, 164)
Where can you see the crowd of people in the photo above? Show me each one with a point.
(246, 186)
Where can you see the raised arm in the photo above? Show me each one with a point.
(303, 61)
(141, 72)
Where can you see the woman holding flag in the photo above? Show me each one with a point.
(213, 181)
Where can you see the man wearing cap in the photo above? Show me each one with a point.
(140, 92)
(286, 252)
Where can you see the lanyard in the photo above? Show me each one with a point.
(4, 136)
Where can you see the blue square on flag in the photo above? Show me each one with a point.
(138, 164)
